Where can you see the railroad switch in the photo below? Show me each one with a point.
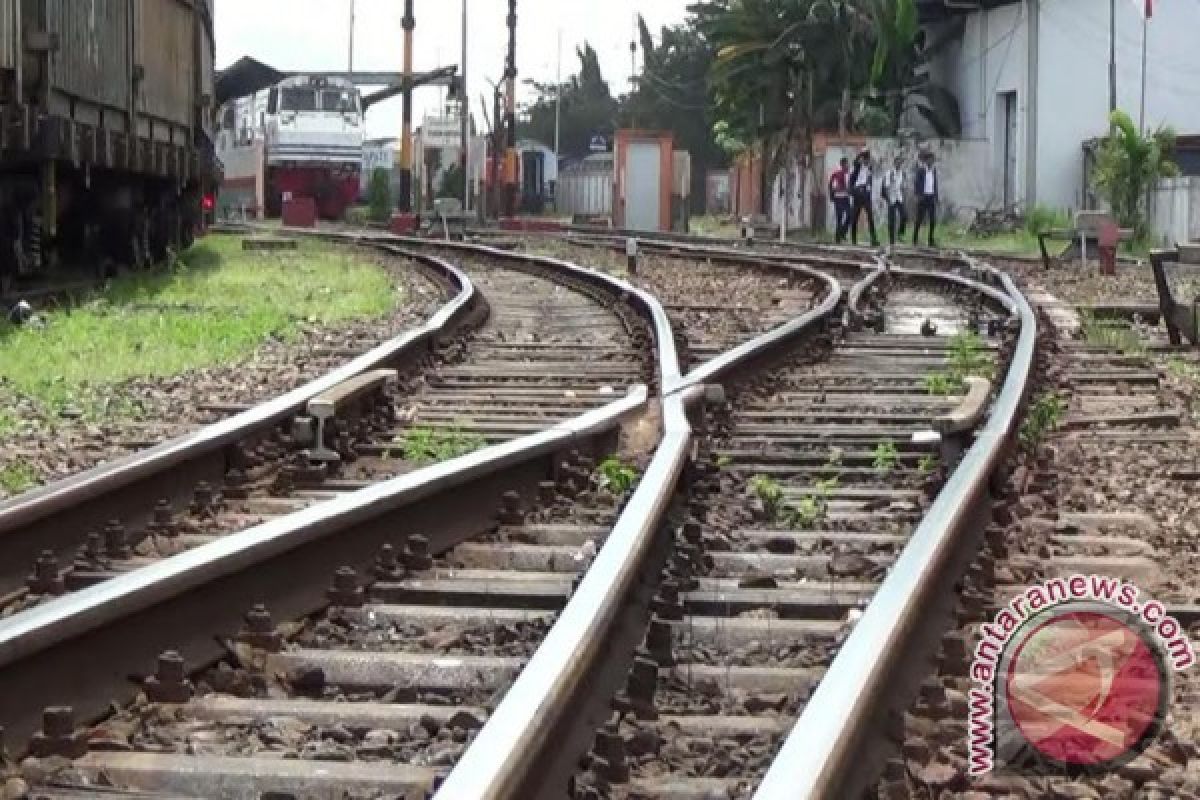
(58, 736)
(169, 684)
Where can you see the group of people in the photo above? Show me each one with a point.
(851, 188)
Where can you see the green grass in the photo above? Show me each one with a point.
(17, 477)
(1113, 334)
(423, 445)
(216, 306)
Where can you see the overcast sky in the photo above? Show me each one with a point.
(314, 34)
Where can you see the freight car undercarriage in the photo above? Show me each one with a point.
(73, 192)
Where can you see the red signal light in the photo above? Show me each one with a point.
(209, 202)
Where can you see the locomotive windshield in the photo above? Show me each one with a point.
(297, 100)
(342, 101)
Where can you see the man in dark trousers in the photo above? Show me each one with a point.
(861, 182)
(927, 190)
(839, 195)
(892, 188)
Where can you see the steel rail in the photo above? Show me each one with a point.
(530, 744)
(71, 615)
(656, 315)
(56, 516)
(119, 624)
(824, 756)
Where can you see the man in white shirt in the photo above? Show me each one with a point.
(927, 189)
(893, 195)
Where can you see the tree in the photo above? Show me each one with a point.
(1128, 164)
(900, 78)
(588, 108)
(379, 195)
(672, 93)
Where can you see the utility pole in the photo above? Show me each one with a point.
(350, 59)
(558, 99)
(510, 114)
(1145, 39)
(1112, 56)
(465, 105)
(406, 153)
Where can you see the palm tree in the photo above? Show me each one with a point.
(900, 77)
(1128, 164)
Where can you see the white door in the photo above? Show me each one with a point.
(643, 184)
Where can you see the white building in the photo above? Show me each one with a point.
(1031, 77)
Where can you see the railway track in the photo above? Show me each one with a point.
(545, 354)
(490, 608)
(1103, 490)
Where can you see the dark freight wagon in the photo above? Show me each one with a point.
(105, 143)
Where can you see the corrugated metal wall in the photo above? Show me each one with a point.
(164, 48)
(92, 61)
(585, 191)
(8, 34)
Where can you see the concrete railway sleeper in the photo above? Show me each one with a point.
(524, 621)
(544, 349)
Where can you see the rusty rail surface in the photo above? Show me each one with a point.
(55, 517)
(834, 749)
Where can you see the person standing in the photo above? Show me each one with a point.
(928, 191)
(839, 194)
(892, 189)
(861, 184)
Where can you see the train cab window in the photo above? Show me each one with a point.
(229, 119)
(339, 100)
(273, 102)
(297, 100)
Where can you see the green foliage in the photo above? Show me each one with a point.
(1045, 414)
(886, 457)
(587, 108)
(969, 357)
(1111, 334)
(616, 476)
(941, 384)
(217, 307)
(927, 464)
(379, 196)
(17, 477)
(1184, 370)
(422, 445)
(724, 461)
(1128, 164)
(810, 510)
(1040, 219)
(769, 494)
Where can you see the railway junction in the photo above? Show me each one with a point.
(565, 510)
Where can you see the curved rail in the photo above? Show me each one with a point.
(520, 752)
(823, 756)
(52, 517)
(119, 624)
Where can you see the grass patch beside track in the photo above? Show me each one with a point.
(215, 305)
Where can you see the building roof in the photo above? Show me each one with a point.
(245, 77)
